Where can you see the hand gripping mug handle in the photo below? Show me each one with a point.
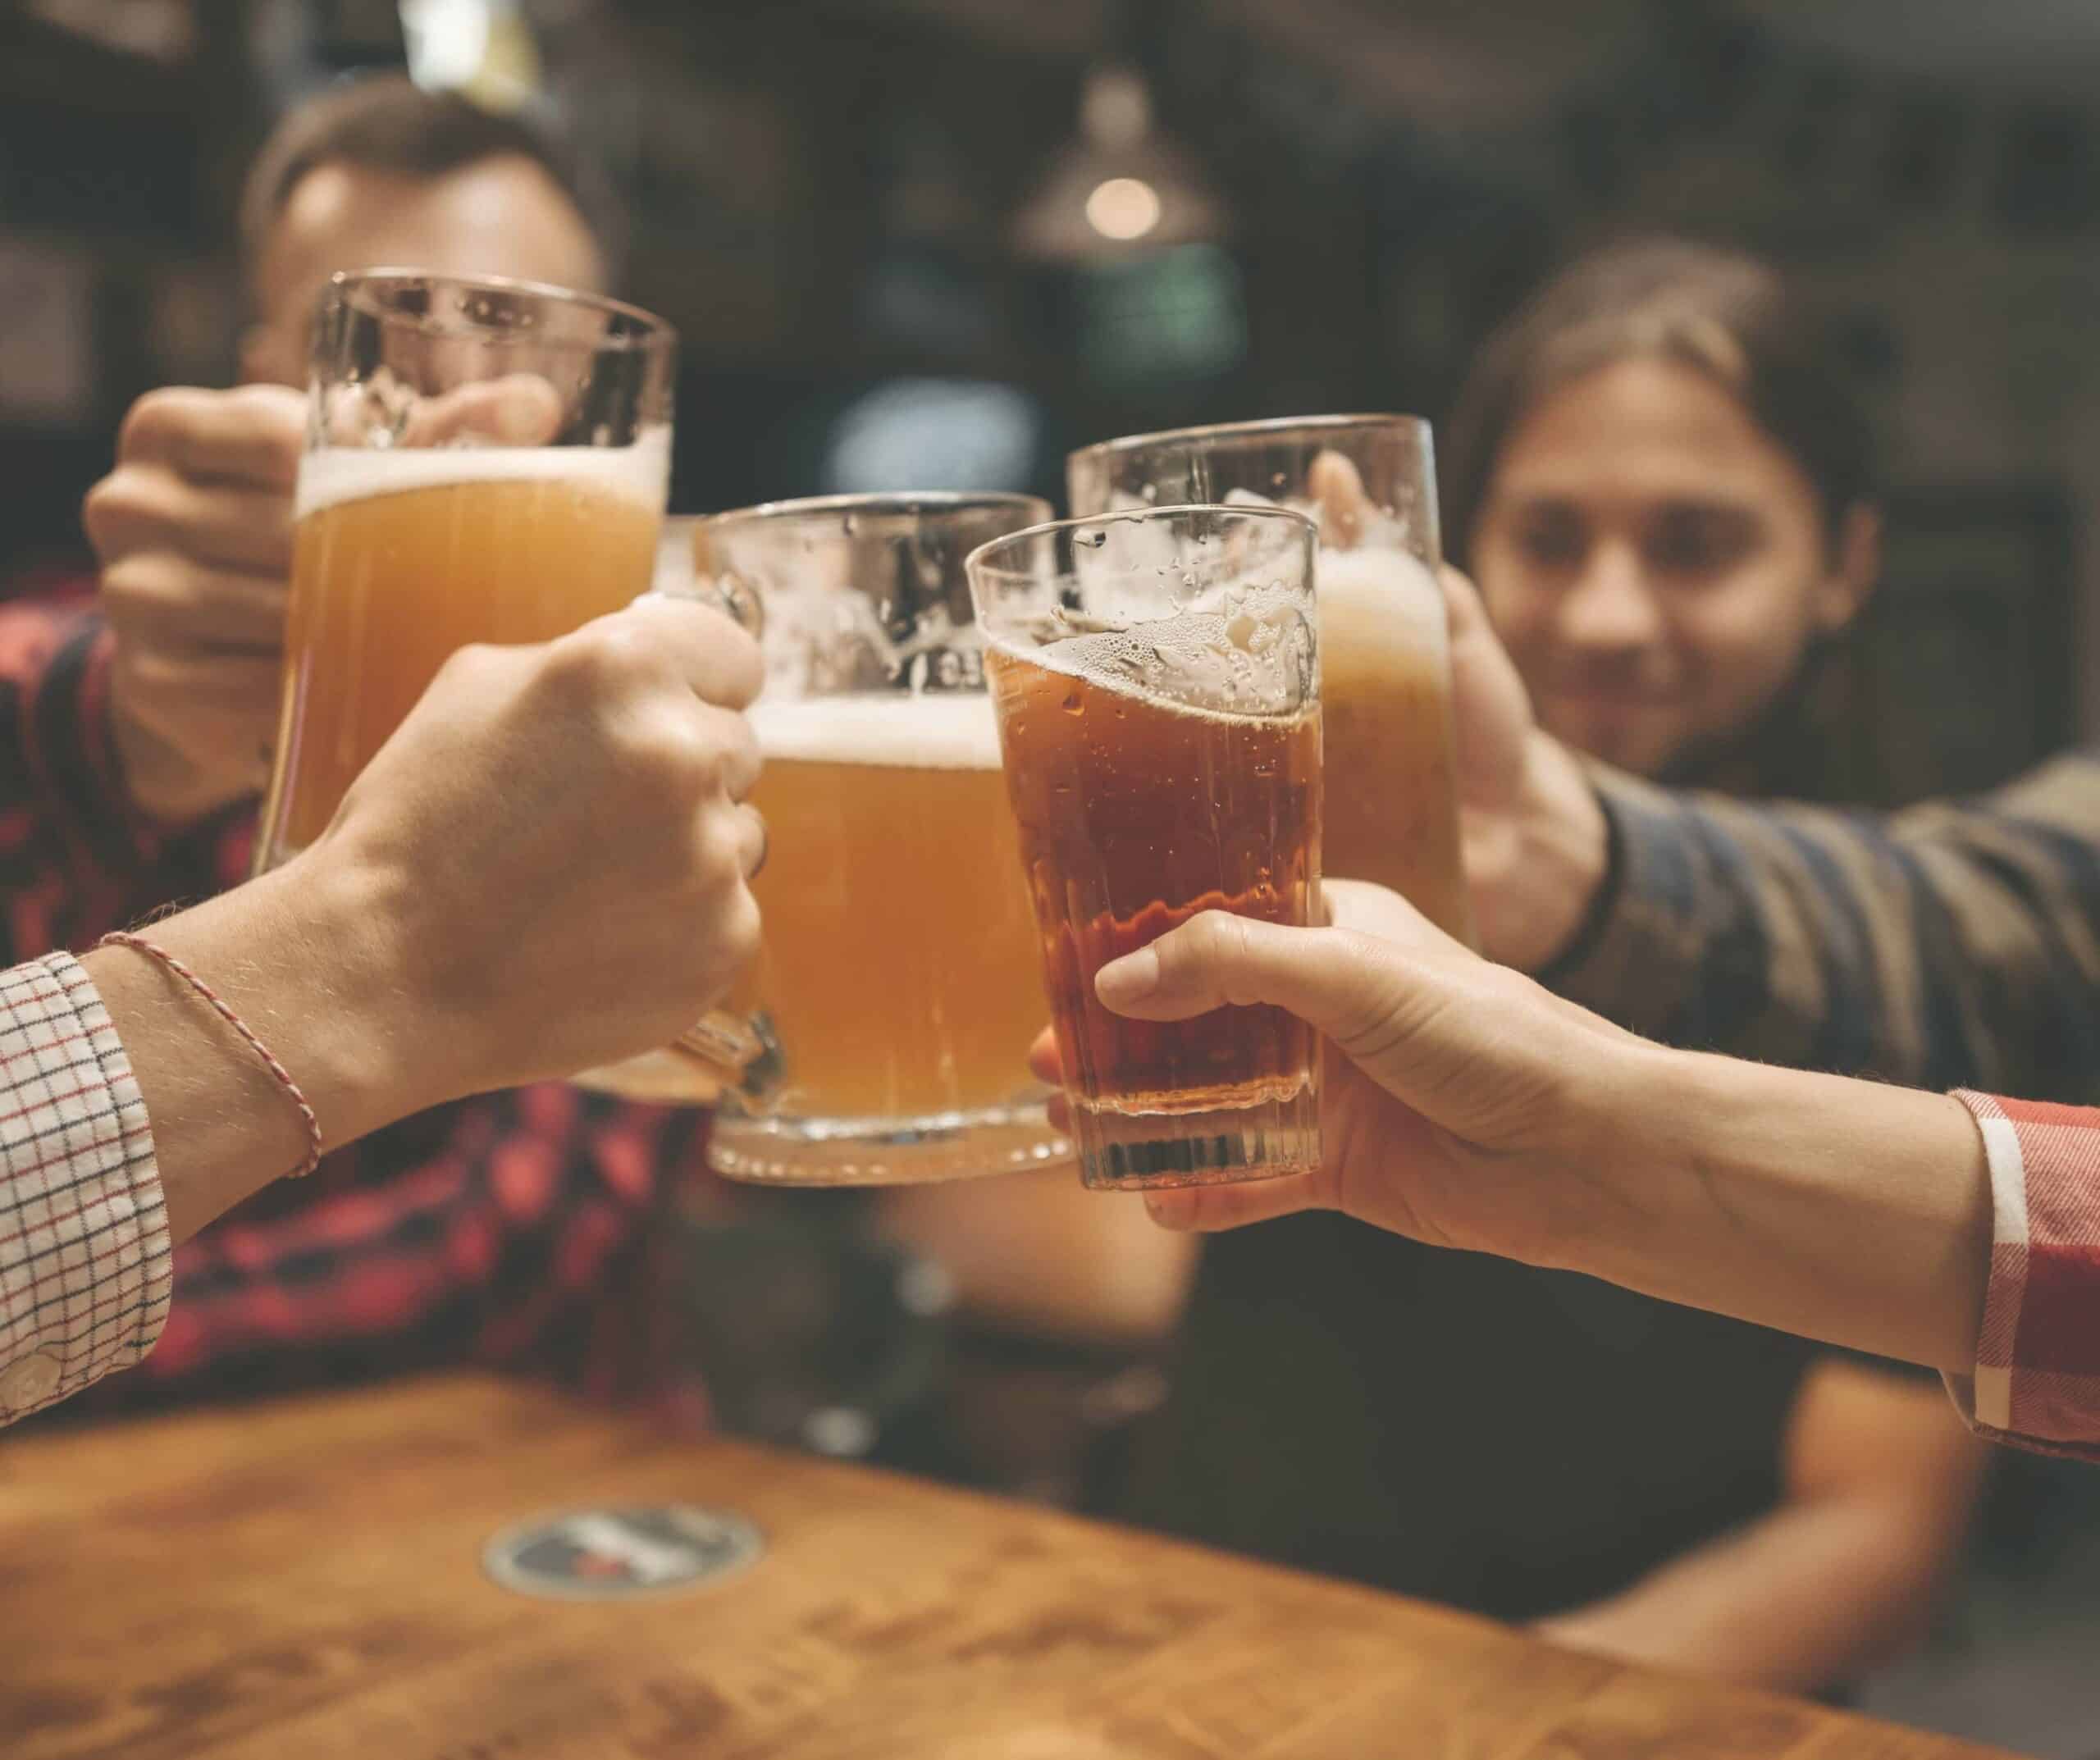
(739, 1051)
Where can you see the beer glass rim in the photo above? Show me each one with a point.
(979, 562)
(1264, 428)
(904, 502)
(650, 333)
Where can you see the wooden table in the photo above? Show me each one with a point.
(303, 1582)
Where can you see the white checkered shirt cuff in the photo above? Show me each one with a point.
(86, 1266)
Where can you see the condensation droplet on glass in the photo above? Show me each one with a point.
(1074, 704)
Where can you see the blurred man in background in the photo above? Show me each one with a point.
(508, 1229)
(192, 528)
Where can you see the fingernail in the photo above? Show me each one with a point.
(1129, 979)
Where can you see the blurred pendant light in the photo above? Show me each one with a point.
(1122, 185)
(481, 48)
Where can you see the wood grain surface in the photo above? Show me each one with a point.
(303, 1582)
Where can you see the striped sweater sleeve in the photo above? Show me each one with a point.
(1946, 946)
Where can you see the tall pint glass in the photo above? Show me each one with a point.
(486, 461)
(1158, 683)
(1369, 483)
(896, 989)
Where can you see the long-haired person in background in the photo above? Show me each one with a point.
(510, 1230)
(1665, 491)
(1661, 481)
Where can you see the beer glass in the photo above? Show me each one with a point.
(1157, 678)
(486, 461)
(1369, 483)
(896, 991)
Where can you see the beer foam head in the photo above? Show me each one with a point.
(353, 473)
(1362, 590)
(949, 731)
(1251, 661)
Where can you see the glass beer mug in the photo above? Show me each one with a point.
(486, 461)
(1369, 484)
(895, 992)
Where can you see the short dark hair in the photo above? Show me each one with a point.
(386, 122)
(1724, 312)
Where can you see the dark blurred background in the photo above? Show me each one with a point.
(871, 221)
(866, 217)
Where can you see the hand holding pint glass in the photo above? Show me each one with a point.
(1156, 678)
(1368, 482)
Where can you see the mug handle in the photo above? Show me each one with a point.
(739, 1051)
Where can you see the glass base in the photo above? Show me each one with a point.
(1273, 1138)
(792, 1151)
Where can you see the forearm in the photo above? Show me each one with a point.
(1943, 948)
(1840, 1210)
(1806, 1597)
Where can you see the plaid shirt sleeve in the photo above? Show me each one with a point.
(1947, 946)
(2037, 1380)
(85, 1263)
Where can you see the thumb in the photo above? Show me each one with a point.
(1339, 982)
(1462, 605)
(1335, 485)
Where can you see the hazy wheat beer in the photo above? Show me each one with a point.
(486, 461)
(899, 953)
(401, 557)
(1385, 696)
(895, 992)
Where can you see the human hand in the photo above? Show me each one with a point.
(1532, 833)
(1461, 1103)
(193, 530)
(551, 852)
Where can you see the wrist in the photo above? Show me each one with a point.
(1545, 863)
(1841, 1210)
(308, 956)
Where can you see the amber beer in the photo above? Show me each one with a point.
(1135, 814)
(1391, 772)
(897, 967)
(401, 558)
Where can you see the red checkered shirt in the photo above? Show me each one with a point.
(85, 1263)
(512, 1230)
